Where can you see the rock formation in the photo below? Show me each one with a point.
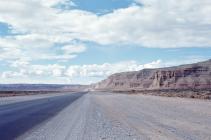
(191, 76)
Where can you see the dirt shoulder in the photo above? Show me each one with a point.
(186, 93)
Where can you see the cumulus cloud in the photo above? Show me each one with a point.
(81, 74)
(72, 49)
(34, 38)
(27, 73)
(107, 69)
(50, 3)
(90, 72)
(36, 47)
(164, 24)
(54, 70)
(19, 63)
(11, 74)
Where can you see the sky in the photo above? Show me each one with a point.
(84, 41)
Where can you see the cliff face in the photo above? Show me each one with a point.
(192, 76)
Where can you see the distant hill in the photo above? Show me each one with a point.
(41, 87)
(191, 76)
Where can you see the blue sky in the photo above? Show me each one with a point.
(84, 41)
(4, 29)
(102, 6)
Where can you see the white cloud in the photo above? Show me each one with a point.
(91, 72)
(50, 3)
(154, 64)
(53, 70)
(80, 74)
(11, 74)
(72, 49)
(19, 63)
(36, 37)
(107, 69)
(36, 47)
(164, 24)
(24, 68)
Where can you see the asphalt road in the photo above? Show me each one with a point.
(17, 118)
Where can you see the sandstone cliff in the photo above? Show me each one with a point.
(192, 76)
